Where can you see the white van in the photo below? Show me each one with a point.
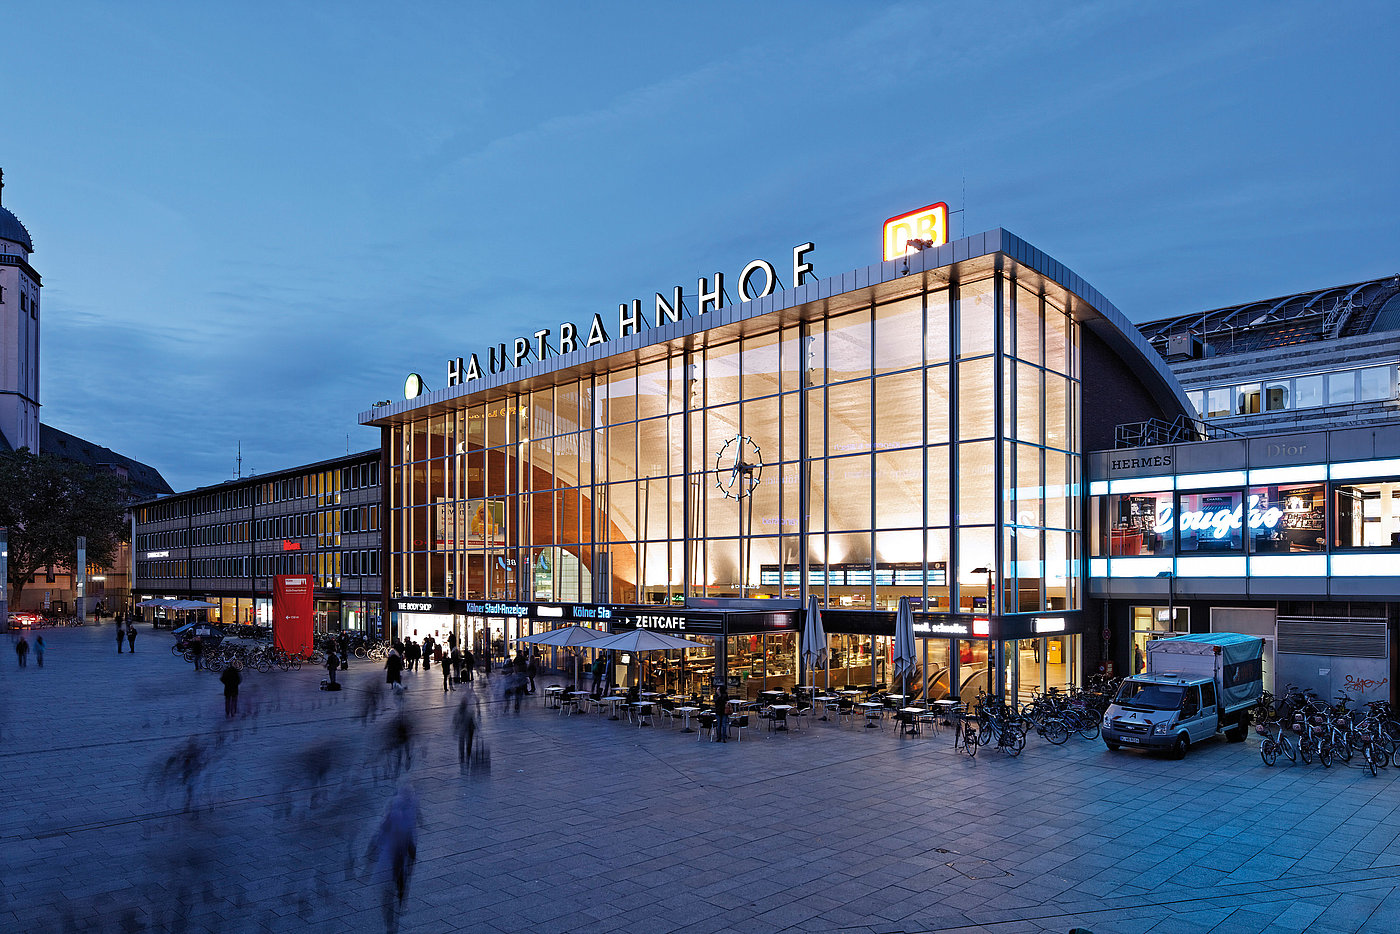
(1195, 687)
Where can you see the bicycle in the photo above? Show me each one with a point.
(1274, 746)
(965, 736)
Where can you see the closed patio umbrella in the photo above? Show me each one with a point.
(904, 659)
(814, 647)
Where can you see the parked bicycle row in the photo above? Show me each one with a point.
(1300, 725)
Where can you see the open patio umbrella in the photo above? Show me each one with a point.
(167, 602)
(904, 659)
(567, 637)
(814, 647)
(644, 640)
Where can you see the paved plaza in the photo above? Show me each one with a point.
(582, 824)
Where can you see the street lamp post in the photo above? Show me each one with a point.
(993, 663)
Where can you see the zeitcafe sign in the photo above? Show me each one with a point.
(630, 319)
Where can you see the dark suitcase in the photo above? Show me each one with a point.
(330, 685)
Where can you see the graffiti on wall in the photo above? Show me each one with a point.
(1363, 685)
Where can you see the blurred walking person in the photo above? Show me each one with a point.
(22, 650)
(121, 634)
(131, 637)
(230, 680)
(393, 671)
(394, 850)
(464, 723)
(39, 650)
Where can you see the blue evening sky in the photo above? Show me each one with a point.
(254, 218)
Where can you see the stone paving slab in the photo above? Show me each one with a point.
(583, 824)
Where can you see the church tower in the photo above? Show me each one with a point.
(19, 334)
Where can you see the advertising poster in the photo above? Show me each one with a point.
(469, 524)
(293, 606)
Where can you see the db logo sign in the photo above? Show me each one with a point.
(928, 226)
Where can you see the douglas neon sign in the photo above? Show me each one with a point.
(1221, 522)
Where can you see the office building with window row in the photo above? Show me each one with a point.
(226, 543)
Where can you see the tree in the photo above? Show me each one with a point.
(46, 503)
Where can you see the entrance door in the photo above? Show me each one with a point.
(1250, 621)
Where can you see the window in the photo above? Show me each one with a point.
(1210, 522)
(1375, 383)
(1247, 399)
(1367, 515)
(1286, 520)
(1307, 392)
(1140, 524)
(1341, 388)
(1217, 403)
(1276, 397)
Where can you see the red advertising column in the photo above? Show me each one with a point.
(293, 606)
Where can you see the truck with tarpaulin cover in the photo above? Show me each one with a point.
(1193, 687)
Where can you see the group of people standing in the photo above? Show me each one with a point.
(126, 630)
(457, 663)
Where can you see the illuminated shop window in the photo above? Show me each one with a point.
(1211, 522)
(1367, 515)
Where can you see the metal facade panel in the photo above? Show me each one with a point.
(1211, 586)
(1211, 455)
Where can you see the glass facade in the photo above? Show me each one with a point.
(925, 445)
(889, 450)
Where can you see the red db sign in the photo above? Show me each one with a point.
(928, 225)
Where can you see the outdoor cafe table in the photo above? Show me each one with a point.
(912, 726)
(770, 695)
(945, 707)
(612, 700)
(642, 708)
(551, 696)
(685, 713)
(784, 708)
(580, 697)
(824, 699)
(868, 706)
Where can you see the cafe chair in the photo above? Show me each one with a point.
(799, 716)
(777, 720)
(845, 710)
(644, 715)
(875, 716)
(567, 704)
(706, 719)
(739, 723)
(930, 718)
